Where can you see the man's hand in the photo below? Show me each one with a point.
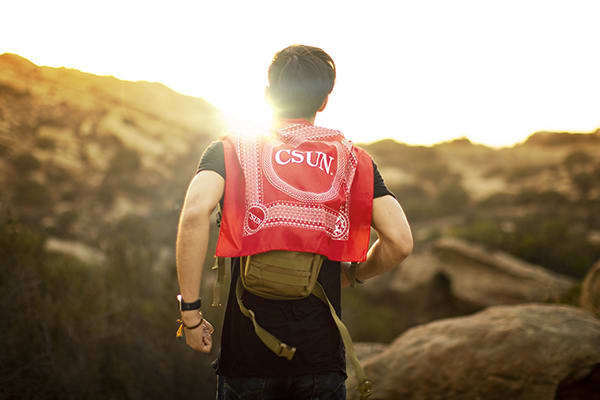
(199, 338)
(345, 274)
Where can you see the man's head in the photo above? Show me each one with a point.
(300, 79)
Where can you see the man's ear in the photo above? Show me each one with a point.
(268, 95)
(324, 104)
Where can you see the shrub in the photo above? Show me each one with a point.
(65, 220)
(523, 172)
(437, 173)
(545, 239)
(77, 332)
(368, 321)
(416, 202)
(528, 196)
(494, 172)
(29, 193)
(498, 199)
(452, 198)
(58, 175)
(584, 182)
(25, 163)
(409, 192)
(486, 231)
(577, 159)
(125, 161)
(45, 143)
(4, 149)
(124, 174)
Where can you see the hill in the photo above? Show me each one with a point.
(80, 152)
(93, 172)
(539, 200)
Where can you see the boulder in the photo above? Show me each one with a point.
(590, 290)
(419, 291)
(530, 351)
(76, 249)
(493, 277)
(458, 278)
(364, 351)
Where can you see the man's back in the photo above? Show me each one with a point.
(305, 324)
(245, 364)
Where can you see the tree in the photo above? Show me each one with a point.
(576, 160)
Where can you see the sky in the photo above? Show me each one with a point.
(419, 72)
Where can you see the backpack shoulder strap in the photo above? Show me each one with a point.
(219, 266)
(275, 345)
(364, 385)
(220, 281)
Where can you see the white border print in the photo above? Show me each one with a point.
(308, 212)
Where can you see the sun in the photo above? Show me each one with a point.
(244, 123)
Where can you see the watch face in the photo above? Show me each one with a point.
(179, 300)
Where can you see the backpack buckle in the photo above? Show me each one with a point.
(286, 351)
(366, 389)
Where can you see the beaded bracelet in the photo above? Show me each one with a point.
(183, 325)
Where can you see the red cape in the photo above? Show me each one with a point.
(302, 188)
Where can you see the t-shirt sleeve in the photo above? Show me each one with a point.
(213, 159)
(380, 189)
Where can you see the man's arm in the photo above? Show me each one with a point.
(395, 240)
(203, 194)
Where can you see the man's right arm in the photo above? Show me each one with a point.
(395, 240)
(201, 198)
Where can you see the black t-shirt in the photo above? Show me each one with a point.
(305, 324)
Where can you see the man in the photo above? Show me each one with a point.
(300, 80)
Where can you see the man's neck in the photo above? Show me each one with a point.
(281, 122)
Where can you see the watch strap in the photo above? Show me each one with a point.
(183, 306)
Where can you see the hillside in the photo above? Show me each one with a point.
(93, 172)
(80, 152)
(539, 163)
(530, 199)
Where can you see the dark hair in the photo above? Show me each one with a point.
(300, 77)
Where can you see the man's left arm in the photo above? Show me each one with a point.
(203, 194)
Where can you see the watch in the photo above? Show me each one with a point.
(350, 270)
(183, 306)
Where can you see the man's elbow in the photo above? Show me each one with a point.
(195, 215)
(402, 246)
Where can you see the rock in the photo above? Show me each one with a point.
(364, 351)
(531, 351)
(459, 278)
(419, 291)
(590, 290)
(76, 249)
(492, 277)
